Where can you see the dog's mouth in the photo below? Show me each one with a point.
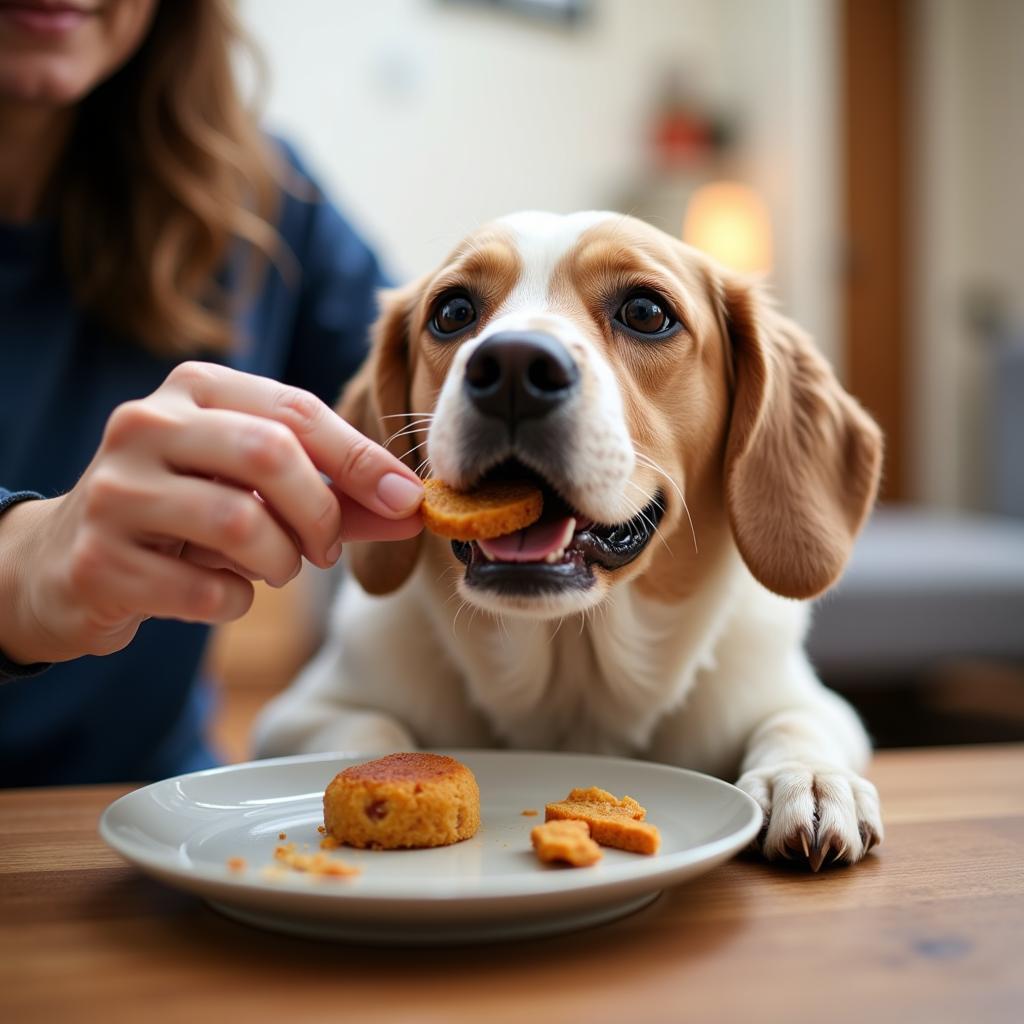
(560, 550)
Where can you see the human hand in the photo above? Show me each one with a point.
(211, 482)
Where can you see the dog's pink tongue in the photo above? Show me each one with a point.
(533, 544)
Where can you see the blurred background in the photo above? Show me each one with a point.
(866, 156)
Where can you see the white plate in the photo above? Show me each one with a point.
(184, 830)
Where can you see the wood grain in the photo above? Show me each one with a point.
(927, 929)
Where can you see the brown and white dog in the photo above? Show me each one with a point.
(704, 475)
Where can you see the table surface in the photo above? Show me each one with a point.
(929, 928)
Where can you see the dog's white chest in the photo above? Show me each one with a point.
(596, 683)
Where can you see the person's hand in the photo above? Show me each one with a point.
(211, 482)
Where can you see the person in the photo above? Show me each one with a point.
(179, 305)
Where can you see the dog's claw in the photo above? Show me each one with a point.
(868, 837)
(817, 856)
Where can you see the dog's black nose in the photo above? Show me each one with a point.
(517, 375)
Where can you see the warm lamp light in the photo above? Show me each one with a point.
(729, 221)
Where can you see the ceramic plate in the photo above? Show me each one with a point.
(183, 831)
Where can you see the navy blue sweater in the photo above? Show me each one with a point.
(139, 714)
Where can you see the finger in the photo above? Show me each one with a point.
(146, 583)
(260, 455)
(358, 523)
(215, 560)
(357, 466)
(228, 520)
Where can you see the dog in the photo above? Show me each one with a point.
(705, 476)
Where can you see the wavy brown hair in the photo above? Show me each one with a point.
(166, 174)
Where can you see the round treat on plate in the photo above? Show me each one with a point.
(491, 510)
(403, 800)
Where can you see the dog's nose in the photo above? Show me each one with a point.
(516, 375)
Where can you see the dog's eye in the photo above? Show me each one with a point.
(452, 313)
(645, 313)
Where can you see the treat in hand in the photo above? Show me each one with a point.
(491, 510)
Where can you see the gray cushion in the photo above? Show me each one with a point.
(922, 587)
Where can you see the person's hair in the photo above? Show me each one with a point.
(167, 175)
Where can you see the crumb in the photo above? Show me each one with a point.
(529, 813)
(314, 863)
(567, 842)
(282, 835)
(329, 843)
(321, 829)
(274, 874)
(236, 864)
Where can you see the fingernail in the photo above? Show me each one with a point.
(399, 493)
(334, 552)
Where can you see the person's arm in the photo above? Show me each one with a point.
(9, 668)
(211, 482)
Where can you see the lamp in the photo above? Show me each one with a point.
(730, 222)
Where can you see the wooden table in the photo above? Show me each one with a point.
(931, 928)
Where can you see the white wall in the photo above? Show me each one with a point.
(426, 118)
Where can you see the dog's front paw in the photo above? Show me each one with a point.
(816, 813)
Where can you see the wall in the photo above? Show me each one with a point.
(427, 118)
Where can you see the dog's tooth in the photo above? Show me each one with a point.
(570, 530)
(554, 556)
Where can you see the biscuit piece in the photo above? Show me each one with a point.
(613, 822)
(567, 841)
(403, 800)
(492, 510)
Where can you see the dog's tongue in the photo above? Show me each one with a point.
(532, 544)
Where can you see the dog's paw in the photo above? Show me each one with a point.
(817, 813)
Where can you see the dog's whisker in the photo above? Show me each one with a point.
(416, 447)
(646, 460)
(693, 532)
(455, 621)
(397, 415)
(408, 429)
(654, 529)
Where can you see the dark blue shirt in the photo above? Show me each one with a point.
(139, 714)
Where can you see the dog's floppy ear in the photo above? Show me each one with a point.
(802, 460)
(374, 403)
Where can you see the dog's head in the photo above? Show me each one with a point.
(653, 395)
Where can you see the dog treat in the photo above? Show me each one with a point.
(567, 842)
(490, 510)
(613, 822)
(403, 800)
